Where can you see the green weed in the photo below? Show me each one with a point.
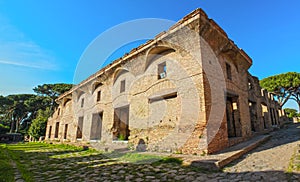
(5, 165)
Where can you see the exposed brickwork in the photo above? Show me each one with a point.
(181, 106)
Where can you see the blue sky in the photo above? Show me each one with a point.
(42, 41)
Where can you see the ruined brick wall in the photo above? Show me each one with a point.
(164, 124)
(218, 53)
(62, 115)
(172, 124)
(255, 105)
(183, 109)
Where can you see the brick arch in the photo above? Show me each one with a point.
(96, 85)
(79, 94)
(156, 52)
(118, 72)
(65, 101)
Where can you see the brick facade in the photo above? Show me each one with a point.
(188, 90)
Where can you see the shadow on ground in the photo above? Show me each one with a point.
(287, 135)
(70, 165)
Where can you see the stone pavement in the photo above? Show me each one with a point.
(219, 160)
(270, 159)
(268, 162)
(273, 155)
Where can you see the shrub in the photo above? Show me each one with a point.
(38, 125)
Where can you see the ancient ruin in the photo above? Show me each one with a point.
(188, 90)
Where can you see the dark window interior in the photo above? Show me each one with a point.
(122, 87)
(98, 96)
(228, 71)
(162, 70)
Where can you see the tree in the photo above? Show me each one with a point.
(18, 110)
(38, 102)
(296, 96)
(14, 109)
(38, 125)
(33, 104)
(5, 105)
(52, 91)
(283, 86)
(291, 112)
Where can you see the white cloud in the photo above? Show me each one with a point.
(17, 50)
(8, 62)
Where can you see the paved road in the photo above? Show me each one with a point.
(274, 155)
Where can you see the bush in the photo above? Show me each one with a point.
(121, 137)
(291, 112)
(38, 125)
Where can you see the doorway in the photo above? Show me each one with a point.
(96, 128)
(233, 117)
(253, 116)
(79, 128)
(121, 123)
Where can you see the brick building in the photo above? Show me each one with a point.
(187, 90)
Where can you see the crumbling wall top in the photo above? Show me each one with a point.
(196, 14)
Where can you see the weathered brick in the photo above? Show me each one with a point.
(183, 112)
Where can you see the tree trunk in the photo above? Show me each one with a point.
(12, 126)
(17, 125)
(284, 100)
(296, 97)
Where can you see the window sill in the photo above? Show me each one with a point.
(120, 141)
(162, 95)
(95, 141)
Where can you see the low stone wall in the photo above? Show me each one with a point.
(11, 137)
(296, 119)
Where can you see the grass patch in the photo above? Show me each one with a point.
(294, 164)
(63, 162)
(18, 157)
(297, 165)
(170, 160)
(139, 158)
(5, 165)
(27, 155)
(38, 160)
(66, 147)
